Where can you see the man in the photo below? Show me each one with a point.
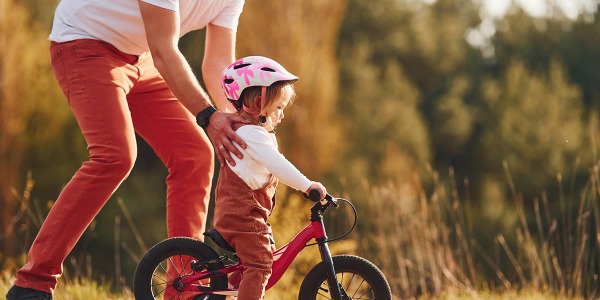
(119, 66)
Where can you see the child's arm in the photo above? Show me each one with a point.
(263, 148)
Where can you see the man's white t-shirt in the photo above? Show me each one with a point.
(262, 158)
(119, 22)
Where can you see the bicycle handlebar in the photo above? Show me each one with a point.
(315, 196)
(321, 206)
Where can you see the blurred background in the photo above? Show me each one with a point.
(465, 131)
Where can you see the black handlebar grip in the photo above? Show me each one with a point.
(314, 195)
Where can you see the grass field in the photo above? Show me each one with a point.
(73, 290)
(426, 248)
(83, 289)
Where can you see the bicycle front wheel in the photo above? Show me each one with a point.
(358, 278)
(159, 271)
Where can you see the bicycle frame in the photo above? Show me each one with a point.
(282, 258)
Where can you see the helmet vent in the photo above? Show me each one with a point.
(267, 69)
(228, 80)
(240, 66)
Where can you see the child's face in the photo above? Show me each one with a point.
(275, 111)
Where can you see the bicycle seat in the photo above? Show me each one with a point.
(214, 235)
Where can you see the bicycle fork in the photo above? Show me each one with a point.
(321, 238)
(334, 287)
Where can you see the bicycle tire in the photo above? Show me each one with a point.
(154, 262)
(365, 280)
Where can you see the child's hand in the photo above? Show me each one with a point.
(317, 186)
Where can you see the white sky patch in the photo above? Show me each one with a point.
(493, 11)
(535, 8)
(496, 8)
(572, 8)
(540, 8)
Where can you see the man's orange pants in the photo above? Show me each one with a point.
(113, 95)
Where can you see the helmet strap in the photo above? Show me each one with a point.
(263, 96)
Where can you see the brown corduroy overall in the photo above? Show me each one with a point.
(241, 217)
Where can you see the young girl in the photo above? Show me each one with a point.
(260, 89)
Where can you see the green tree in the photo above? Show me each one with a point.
(406, 61)
(535, 124)
(536, 41)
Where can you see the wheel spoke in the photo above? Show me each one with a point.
(349, 281)
(184, 272)
(169, 261)
(357, 278)
(358, 288)
(163, 281)
(174, 266)
(323, 291)
(361, 296)
(159, 292)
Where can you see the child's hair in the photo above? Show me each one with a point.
(250, 97)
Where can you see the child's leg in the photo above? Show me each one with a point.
(255, 252)
(249, 235)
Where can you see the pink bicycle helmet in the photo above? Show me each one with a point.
(252, 71)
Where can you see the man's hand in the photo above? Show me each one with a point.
(220, 131)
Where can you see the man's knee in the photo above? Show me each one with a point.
(119, 163)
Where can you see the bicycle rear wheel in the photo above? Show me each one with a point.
(358, 278)
(169, 261)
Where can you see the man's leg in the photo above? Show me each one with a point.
(170, 129)
(91, 75)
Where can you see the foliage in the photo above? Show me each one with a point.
(389, 91)
(535, 124)
(33, 113)
(428, 246)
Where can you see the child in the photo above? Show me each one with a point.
(260, 89)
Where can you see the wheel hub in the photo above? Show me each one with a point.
(178, 284)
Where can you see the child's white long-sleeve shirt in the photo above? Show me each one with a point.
(262, 158)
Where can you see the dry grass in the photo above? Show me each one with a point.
(425, 246)
(83, 289)
(75, 289)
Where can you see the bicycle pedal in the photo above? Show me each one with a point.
(201, 265)
(222, 258)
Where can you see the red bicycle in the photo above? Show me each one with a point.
(193, 270)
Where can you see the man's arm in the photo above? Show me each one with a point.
(162, 33)
(219, 53)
